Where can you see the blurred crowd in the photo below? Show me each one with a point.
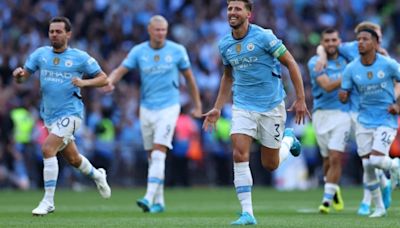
(111, 137)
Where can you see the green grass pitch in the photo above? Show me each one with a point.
(193, 207)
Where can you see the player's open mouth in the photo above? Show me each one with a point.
(232, 19)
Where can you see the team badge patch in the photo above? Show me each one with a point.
(238, 48)
(250, 46)
(68, 63)
(56, 61)
(168, 58)
(370, 75)
(156, 58)
(381, 74)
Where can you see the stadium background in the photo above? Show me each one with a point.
(111, 136)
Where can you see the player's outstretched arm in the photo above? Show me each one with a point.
(327, 84)
(211, 119)
(194, 92)
(98, 81)
(114, 77)
(299, 105)
(224, 93)
(117, 74)
(20, 74)
(322, 60)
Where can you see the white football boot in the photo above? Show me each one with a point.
(102, 185)
(379, 212)
(44, 208)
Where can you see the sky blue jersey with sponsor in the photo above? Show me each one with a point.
(323, 99)
(159, 72)
(59, 96)
(257, 84)
(375, 85)
(349, 50)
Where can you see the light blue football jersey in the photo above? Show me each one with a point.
(257, 84)
(349, 50)
(322, 99)
(375, 85)
(59, 96)
(159, 72)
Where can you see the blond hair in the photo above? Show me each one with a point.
(158, 18)
(367, 25)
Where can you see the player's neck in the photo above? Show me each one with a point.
(241, 32)
(60, 50)
(368, 58)
(333, 56)
(156, 45)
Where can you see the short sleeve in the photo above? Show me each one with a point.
(130, 62)
(184, 62)
(32, 63)
(272, 44)
(347, 82)
(311, 68)
(222, 53)
(90, 66)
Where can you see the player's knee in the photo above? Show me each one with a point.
(240, 156)
(75, 161)
(270, 165)
(48, 151)
(335, 163)
(335, 159)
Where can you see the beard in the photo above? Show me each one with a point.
(236, 26)
(332, 50)
(56, 45)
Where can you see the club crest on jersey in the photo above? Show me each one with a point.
(369, 74)
(156, 58)
(68, 63)
(250, 46)
(168, 58)
(56, 61)
(381, 74)
(238, 48)
(337, 64)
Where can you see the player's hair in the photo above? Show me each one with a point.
(370, 31)
(158, 18)
(368, 25)
(329, 31)
(247, 3)
(65, 20)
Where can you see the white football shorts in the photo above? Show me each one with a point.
(332, 129)
(379, 139)
(158, 126)
(355, 127)
(266, 127)
(65, 127)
